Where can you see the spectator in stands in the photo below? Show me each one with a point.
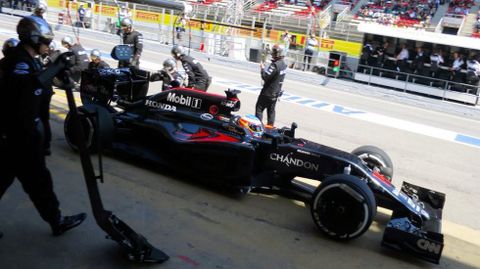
(418, 61)
(367, 52)
(436, 60)
(309, 50)
(457, 65)
(402, 58)
(381, 53)
(473, 70)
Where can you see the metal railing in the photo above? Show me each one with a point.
(408, 82)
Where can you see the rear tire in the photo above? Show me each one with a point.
(375, 157)
(104, 128)
(343, 207)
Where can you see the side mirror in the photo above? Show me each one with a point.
(292, 129)
(122, 52)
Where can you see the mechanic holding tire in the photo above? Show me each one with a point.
(133, 38)
(273, 78)
(80, 57)
(198, 77)
(22, 152)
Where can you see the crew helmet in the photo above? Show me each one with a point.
(33, 30)
(68, 40)
(277, 52)
(52, 46)
(40, 9)
(94, 54)
(126, 22)
(252, 125)
(177, 51)
(9, 45)
(169, 64)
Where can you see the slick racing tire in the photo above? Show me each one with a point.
(343, 207)
(95, 132)
(375, 157)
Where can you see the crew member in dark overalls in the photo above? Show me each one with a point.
(80, 58)
(22, 154)
(133, 38)
(169, 75)
(198, 77)
(96, 61)
(272, 78)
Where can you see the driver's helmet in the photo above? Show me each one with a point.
(252, 124)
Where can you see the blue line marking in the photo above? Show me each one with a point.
(303, 102)
(291, 98)
(320, 105)
(468, 139)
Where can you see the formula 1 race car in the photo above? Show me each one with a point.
(197, 132)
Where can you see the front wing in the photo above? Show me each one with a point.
(422, 239)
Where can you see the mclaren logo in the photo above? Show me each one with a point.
(429, 246)
(184, 100)
(289, 161)
(161, 106)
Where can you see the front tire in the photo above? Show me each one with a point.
(343, 207)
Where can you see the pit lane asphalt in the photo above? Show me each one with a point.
(200, 227)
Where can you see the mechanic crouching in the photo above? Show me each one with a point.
(169, 75)
(198, 77)
(22, 153)
(96, 61)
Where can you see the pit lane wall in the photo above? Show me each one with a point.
(204, 36)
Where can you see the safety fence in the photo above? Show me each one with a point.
(407, 82)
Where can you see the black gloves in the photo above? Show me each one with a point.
(156, 76)
(280, 93)
(64, 61)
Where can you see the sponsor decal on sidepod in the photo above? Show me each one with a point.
(288, 160)
(161, 106)
(184, 100)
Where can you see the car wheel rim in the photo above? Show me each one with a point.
(339, 213)
(373, 162)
